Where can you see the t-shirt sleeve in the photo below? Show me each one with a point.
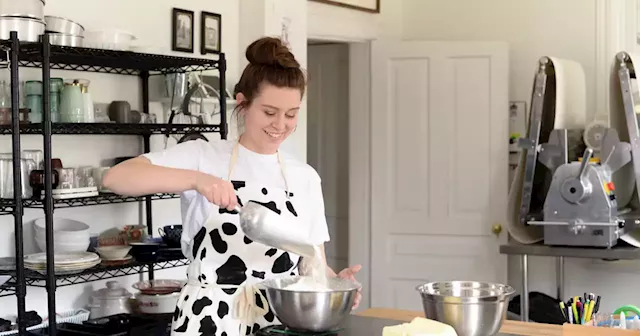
(319, 232)
(185, 155)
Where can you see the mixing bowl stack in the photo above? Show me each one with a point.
(471, 308)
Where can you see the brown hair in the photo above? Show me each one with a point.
(270, 61)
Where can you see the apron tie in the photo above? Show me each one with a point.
(245, 308)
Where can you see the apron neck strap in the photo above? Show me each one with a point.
(234, 160)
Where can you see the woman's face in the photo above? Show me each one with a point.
(271, 118)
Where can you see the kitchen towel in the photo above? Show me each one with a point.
(570, 113)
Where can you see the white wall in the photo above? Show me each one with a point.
(533, 28)
(150, 21)
(327, 22)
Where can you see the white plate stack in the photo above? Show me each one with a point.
(65, 263)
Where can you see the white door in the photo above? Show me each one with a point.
(439, 165)
(327, 134)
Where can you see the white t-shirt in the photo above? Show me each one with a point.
(213, 158)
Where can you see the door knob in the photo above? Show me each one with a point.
(496, 229)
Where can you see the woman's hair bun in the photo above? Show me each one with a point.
(270, 51)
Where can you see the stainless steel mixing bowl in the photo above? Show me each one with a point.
(311, 311)
(471, 308)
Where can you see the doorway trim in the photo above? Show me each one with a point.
(359, 158)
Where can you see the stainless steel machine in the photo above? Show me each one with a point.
(567, 190)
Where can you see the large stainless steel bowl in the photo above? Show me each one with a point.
(311, 311)
(471, 308)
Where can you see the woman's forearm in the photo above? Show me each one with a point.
(137, 177)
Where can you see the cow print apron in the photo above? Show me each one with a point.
(220, 297)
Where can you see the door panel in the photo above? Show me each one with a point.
(439, 165)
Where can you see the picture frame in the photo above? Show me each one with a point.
(370, 6)
(182, 25)
(210, 33)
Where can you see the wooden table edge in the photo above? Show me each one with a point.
(508, 327)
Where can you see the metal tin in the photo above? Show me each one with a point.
(29, 29)
(24, 8)
(65, 40)
(61, 25)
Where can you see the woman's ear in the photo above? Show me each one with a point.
(240, 98)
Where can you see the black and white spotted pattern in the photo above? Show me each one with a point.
(225, 258)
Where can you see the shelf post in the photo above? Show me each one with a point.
(48, 180)
(146, 138)
(17, 180)
(222, 69)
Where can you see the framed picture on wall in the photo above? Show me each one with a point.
(182, 30)
(371, 6)
(210, 33)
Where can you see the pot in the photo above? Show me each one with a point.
(29, 29)
(157, 304)
(112, 300)
(27, 8)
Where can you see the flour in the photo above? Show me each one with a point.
(314, 274)
(307, 284)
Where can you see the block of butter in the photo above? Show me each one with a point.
(419, 327)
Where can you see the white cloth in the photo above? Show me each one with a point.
(214, 158)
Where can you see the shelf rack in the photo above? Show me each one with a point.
(47, 57)
(103, 198)
(103, 272)
(113, 128)
(8, 288)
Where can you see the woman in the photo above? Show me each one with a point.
(220, 297)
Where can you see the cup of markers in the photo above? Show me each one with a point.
(580, 310)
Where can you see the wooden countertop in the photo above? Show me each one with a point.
(510, 327)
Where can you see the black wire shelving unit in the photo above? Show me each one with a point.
(47, 57)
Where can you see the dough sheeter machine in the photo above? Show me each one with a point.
(578, 199)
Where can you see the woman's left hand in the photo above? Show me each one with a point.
(349, 273)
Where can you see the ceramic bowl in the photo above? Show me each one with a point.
(113, 252)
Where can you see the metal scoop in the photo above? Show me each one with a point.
(263, 225)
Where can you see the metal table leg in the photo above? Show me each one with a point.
(524, 296)
(560, 278)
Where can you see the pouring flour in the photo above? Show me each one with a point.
(262, 225)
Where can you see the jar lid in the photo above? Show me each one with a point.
(112, 291)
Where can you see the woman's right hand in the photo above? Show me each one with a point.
(217, 191)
